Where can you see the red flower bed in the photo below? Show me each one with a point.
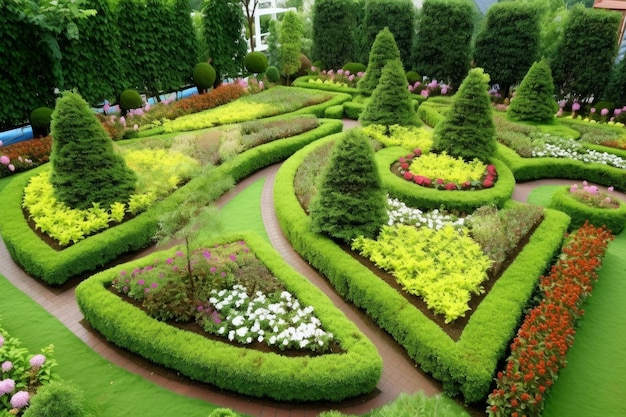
(487, 181)
(539, 350)
(25, 155)
(221, 95)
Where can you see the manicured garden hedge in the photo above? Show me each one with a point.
(429, 198)
(304, 83)
(247, 371)
(55, 267)
(525, 169)
(613, 219)
(466, 366)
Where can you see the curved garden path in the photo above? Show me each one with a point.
(400, 374)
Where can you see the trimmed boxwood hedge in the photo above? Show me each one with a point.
(353, 109)
(466, 366)
(303, 82)
(429, 198)
(319, 109)
(613, 219)
(56, 267)
(246, 371)
(525, 169)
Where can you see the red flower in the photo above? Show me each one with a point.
(404, 165)
(450, 186)
(408, 175)
(417, 152)
(487, 184)
(439, 181)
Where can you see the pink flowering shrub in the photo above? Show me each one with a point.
(21, 373)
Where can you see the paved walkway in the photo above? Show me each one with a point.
(400, 374)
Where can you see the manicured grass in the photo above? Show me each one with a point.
(243, 212)
(594, 382)
(541, 196)
(111, 391)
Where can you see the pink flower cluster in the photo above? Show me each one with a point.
(428, 89)
(5, 160)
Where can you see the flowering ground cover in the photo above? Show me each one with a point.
(23, 156)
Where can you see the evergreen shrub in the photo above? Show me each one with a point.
(272, 74)
(534, 100)
(383, 49)
(204, 76)
(354, 67)
(412, 77)
(256, 62)
(40, 121)
(130, 99)
(58, 399)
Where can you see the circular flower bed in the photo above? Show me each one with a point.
(410, 171)
(588, 203)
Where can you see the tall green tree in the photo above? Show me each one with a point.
(391, 102)
(223, 24)
(582, 65)
(616, 89)
(134, 27)
(334, 32)
(534, 99)
(441, 52)
(185, 53)
(290, 40)
(350, 201)
(397, 15)
(384, 49)
(85, 167)
(468, 131)
(91, 63)
(508, 43)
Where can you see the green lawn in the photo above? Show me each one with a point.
(243, 212)
(112, 391)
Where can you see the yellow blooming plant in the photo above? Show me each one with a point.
(449, 169)
(409, 137)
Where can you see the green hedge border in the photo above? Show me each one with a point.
(466, 366)
(429, 198)
(526, 169)
(333, 377)
(303, 82)
(56, 267)
(613, 219)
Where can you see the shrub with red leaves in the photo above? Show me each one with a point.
(25, 155)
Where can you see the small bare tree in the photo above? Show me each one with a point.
(249, 8)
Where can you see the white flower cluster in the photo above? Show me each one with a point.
(555, 147)
(277, 321)
(400, 213)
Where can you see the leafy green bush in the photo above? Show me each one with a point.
(204, 76)
(130, 99)
(408, 137)
(223, 412)
(350, 200)
(58, 399)
(272, 74)
(412, 77)
(354, 67)
(334, 112)
(256, 62)
(335, 25)
(85, 167)
(41, 117)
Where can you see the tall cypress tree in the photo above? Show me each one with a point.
(351, 200)
(384, 49)
(85, 168)
(334, 32)
(391, 102)
(534, 99)
(468, 131)
(509, 43)
(444, 36)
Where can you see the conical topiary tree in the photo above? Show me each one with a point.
(350, 201)
(85, 168)
(383, 49)
(391, 102)
(468, 131)
(534, 99)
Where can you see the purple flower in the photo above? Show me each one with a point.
(122, 273)
(180, 253)
(424, 93)
(206, 254)
(1, 340)
(154, 285)
(106, 107)
(444, 90)
(213, 269)
(261, 85)
(125, 289)
(37, 360)
(611, 189)
(11, 167)
(4, 160)
(223, 274)
(573, 188)
(233, 257)
(6, 386)
(169, 261)
(617, 112)
(20, 399)
(562, 103)
(200, 308)
(123, 120)
(147, 107)
(604, 112)
(146, 290)
(7, 366)
(140, 282)
(360, 73)
(576, 106)
(593, 110)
